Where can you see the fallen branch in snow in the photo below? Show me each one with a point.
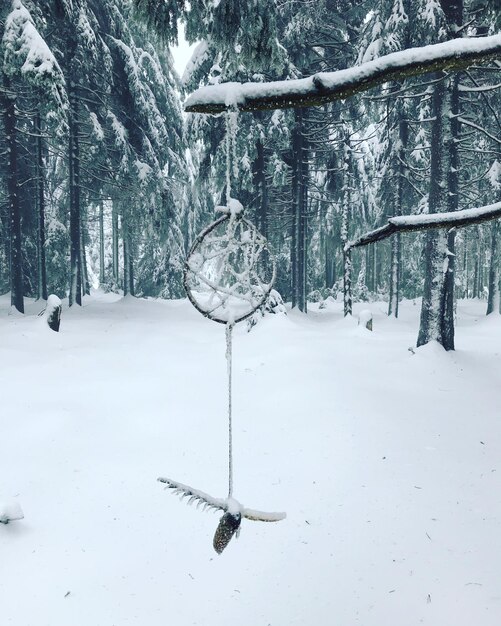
(408, 223)
(328, 86)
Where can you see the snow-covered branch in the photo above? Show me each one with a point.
(327, 86)
(408, 223)
(22, 41)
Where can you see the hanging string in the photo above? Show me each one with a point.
(230, 118)
(231, 123)
(229, 330)
(228, 157)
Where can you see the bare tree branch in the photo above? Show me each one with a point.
(409, 223)
(328, 86)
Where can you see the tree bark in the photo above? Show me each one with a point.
(493, 300)
(400, 156)
(16, 260)
(115, 244)
(128, 260)
(75, 295)
(452, 206)
(432, 308)
(40, 177)
(261, 187)
(101, 244)
(299, 210)
(453, 10)
(345, 220)
(83, 262)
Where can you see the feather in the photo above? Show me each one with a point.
(262, 516)
(194, 495)
(228, 505)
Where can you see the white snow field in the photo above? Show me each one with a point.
(387, 462)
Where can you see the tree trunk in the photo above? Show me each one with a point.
(115, 243)
(261, 187)
(493, 297)
(345, 218)
(83, 263)
(394, 295)
(128, 260)
(293, 251)
(476, 268)
(101, 244)
(330, 261)
(436, 259)
(299, 210)
(16, 260)
(40, 177)
(400, 172)
(303, 232)
(75, 295)
(465, 266)
(453, 10)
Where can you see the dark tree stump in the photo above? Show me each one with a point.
(53, 312)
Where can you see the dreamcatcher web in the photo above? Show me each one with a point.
(229, 273)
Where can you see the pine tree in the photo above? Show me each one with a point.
(29, 64)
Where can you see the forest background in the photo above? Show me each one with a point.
(104, 181)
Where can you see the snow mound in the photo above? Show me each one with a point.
(10, 511)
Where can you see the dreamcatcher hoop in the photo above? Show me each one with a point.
(228, 275)
(246, 291)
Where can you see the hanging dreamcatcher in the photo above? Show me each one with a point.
(228, 275)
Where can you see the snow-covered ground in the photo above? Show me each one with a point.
(387, 461)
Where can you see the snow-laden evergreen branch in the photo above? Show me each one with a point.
(328, 86)
(24, 48)
(408, 223)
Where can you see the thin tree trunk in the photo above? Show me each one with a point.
(131, 266)
(394, 295)
(396, 254)
(452, 205)
(128, 270)
(294, 238)
(261, 186)
(83, 263)
(299, 209)
(115, 244)
(75, 295)
(40, 176)
(345, 218)
(303, 227)
(476, 272)
(101, 244)
(16, 260)
(480, 273)
(374, 268)
(453, 10)
(126, 262)
(493, 297)
(330, 262)
(465, 266)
